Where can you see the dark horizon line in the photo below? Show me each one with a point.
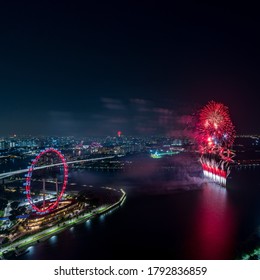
(112, 135)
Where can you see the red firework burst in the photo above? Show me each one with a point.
(215, 129)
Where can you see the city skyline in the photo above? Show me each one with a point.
(129, 131)
(85, 69)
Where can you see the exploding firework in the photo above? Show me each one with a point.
(216, 132)
(215, 136)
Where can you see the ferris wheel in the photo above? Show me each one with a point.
(46, 207)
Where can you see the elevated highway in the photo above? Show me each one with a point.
(15, 172)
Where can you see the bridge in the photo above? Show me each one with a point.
(15, 172)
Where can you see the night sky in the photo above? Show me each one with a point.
(91, 68)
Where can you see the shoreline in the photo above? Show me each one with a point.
(24, 244)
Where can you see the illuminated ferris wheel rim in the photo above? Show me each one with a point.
(29, 175)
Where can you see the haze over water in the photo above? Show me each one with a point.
(200, 222)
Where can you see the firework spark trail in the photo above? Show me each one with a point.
(215, 136)
(216, 132)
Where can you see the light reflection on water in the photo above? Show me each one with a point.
(102, 218)
(202, 223)
(53, 240)
(31, 250)
(88, 224)
(215, 224)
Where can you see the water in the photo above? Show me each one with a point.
(162, 218)
(205, 223)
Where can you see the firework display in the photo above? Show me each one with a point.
(216, 132)
(215, 136)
